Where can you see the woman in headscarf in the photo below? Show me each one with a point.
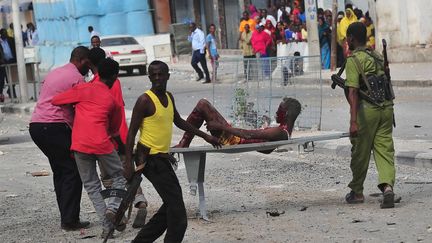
(348, 19)
(253, 12)
(271, 30)
(324, 33)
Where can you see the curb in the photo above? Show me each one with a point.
(327, 81)
(23, 109)
(419, 159)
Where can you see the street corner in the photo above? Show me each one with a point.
(16, 108)
(420, 159)
(340, 147)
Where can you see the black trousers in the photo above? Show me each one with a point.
(171, 216)
(54, 139)
(3, 79)
(198, 57)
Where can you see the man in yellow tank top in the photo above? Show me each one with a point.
(153, 114)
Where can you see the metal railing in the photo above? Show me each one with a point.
(256, 86)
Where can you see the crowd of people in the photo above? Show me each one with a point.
(288, 24)
(8, 52)
(68, 106)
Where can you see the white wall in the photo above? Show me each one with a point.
(404, 24)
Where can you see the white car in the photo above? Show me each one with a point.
(127, 52)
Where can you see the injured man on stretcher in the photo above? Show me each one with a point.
(286, 115)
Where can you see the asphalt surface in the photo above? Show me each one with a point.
(240, 188)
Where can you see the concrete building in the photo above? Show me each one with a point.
(406, 27)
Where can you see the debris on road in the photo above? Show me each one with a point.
(303, 208)
(418, 182)
(274, 213)
(39, 173)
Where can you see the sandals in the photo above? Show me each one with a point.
(388, 199)
(353, 198)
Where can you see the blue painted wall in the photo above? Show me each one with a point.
(62, 24)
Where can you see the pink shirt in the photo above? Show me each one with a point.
(57, 81)
(260, 41)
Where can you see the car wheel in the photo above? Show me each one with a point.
(142, 70)
(129, 71)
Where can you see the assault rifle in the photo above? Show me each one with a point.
(339, 81)
(387, 73)
(127, 196)
(387, 68)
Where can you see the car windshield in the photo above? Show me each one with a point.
(118, 41)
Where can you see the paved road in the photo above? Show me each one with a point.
(240, 189)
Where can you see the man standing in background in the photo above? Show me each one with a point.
(7, 56)
(197, 39)
(92, 31)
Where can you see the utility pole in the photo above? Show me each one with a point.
(333, 55)
(312, 27)
(19, 46)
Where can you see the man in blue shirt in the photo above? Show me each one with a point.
(7, 55)
(197, 39)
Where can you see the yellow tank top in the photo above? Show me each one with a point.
(156, 130)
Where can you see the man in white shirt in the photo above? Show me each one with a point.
(266, 17)
(92, 32)
(197, 39)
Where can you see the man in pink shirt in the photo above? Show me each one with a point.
(50, 129)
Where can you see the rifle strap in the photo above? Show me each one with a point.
(342, 69)
(362, 73)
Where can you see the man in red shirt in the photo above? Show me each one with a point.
(96, 56)
(97, 121)
(260, 41)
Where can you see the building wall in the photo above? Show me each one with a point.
(162, 15)
(232, 20)
(184, 10)
(62, 24)
(406, 27)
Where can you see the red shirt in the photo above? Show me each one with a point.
(117, 94)
(97, 117)
(260, 41)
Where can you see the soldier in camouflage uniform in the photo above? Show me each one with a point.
(370, 124)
